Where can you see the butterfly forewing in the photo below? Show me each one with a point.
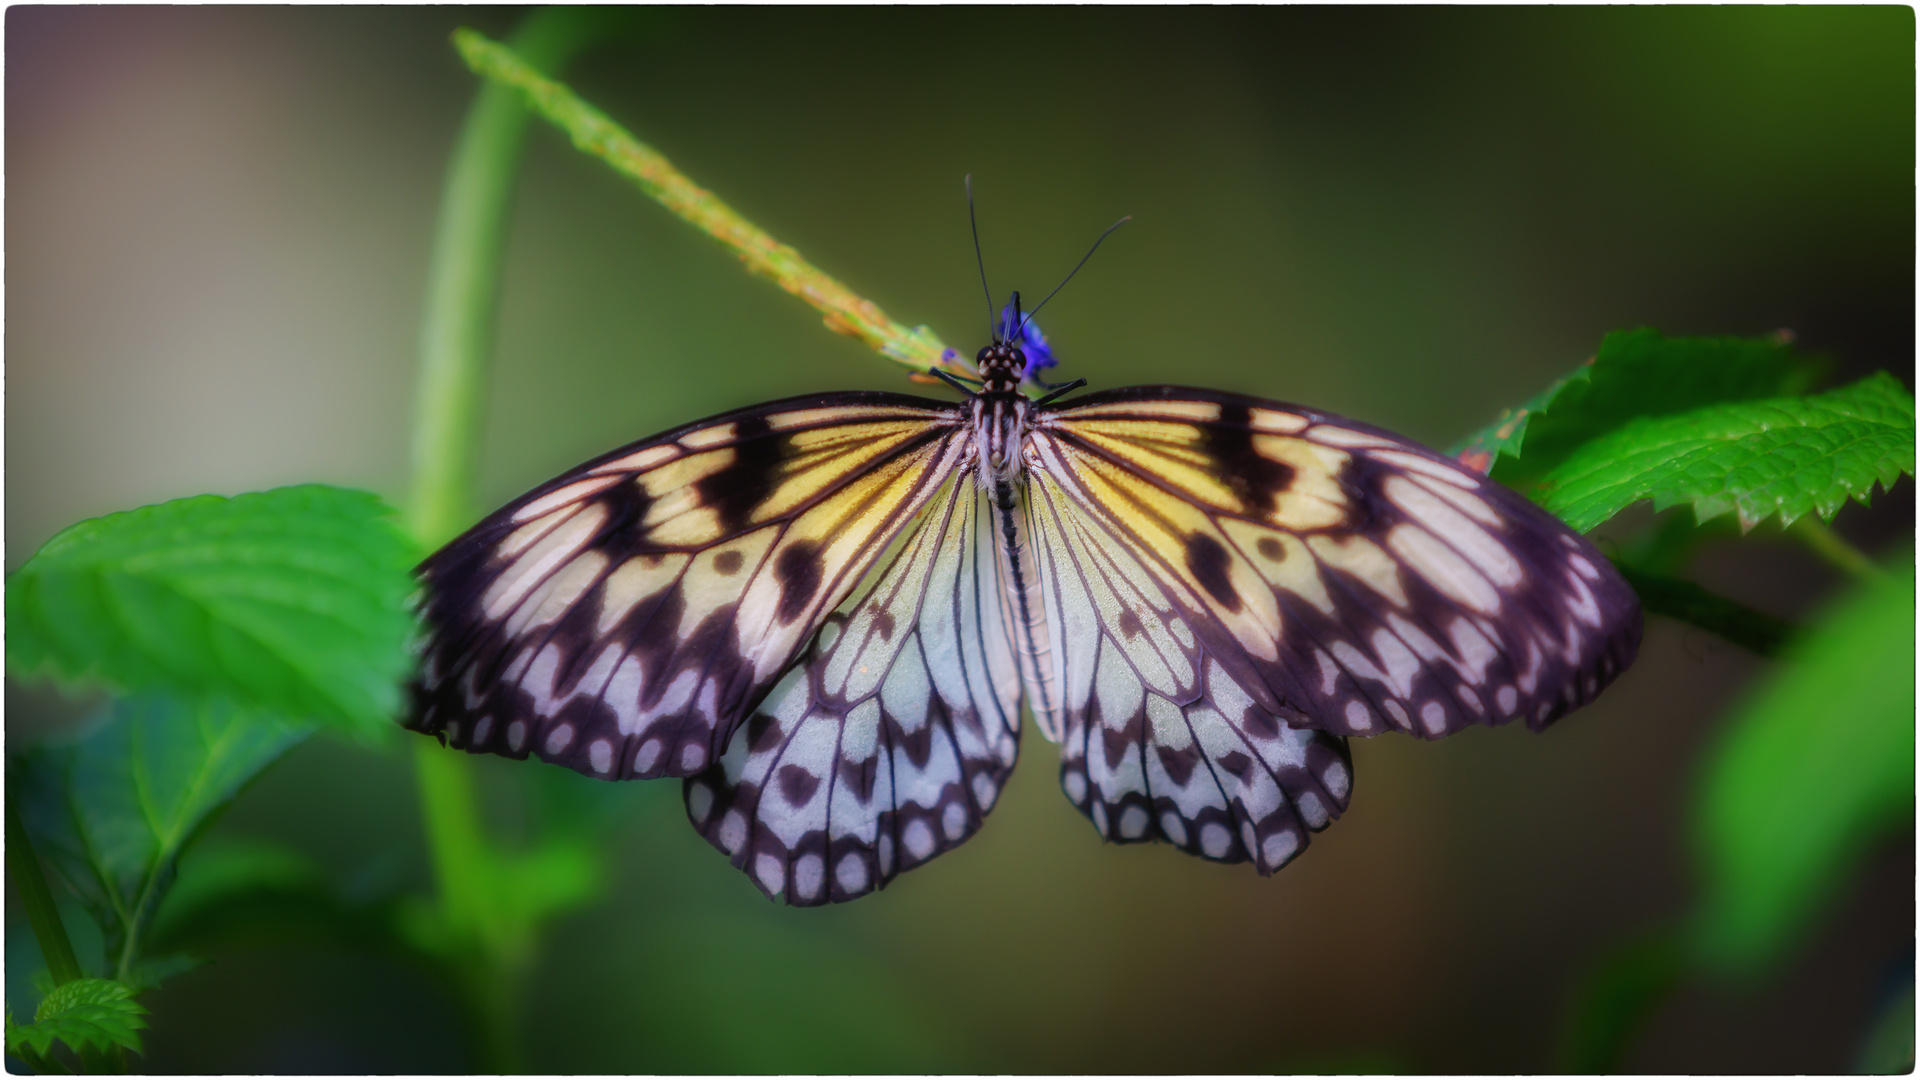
(891, 739)
(620, 619)
(1347, 579)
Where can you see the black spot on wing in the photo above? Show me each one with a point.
(1258, 480)
(1208, 561)
(798, 571)
(797, 785)
(734, 492)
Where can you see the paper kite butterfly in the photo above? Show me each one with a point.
(827, 613)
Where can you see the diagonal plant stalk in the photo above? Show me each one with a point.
(30, 883)
(1837, 552)
(593, 133)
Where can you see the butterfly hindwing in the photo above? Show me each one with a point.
(620, 619)
(1158, 739)
(1348, 579)
(891, 739)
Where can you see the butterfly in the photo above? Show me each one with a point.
(828, 613)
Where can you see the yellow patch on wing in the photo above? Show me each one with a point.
(1274, 421)
(1314, 500)
(679, 477)
(1177, 462)
(1363, 559)
(709, 436)
(841, 416)
(1203, 411)
(1283, 559)
(1167, 523)
(707, 586)
(633, 581)
(806, 475)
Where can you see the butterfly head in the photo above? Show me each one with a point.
(1001, 365)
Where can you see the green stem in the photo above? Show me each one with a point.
(31, 884)
(1675, 598)
(845, 311)
(1827, 544)
(456, 335)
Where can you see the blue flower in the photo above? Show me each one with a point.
(1030, 341)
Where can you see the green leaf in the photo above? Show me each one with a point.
(1786, 456)
(85, 1013)
(1810, 769)
(1635, 373)
(111, 813)
(291, 601)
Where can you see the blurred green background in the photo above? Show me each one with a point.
(217, 229)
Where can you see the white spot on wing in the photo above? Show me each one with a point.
(918, 838)
(641, 460)
(809, 873)
(1173, 828)
(851, 873)
(699, 802)
(1335, 777)
(1214, 839)
(1280, 847)
(1443, 569)
(559, 497)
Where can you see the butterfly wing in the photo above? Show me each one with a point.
(1159, 740)
(889, 742)
(1347, 579)
(620, 619)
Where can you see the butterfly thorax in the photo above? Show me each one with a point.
(1000, 411)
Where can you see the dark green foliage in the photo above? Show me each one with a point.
(291, 601)
(112, 812)
(1787, 456)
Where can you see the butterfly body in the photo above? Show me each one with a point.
(827, 614)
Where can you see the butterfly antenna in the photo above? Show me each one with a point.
(1063, 281)
(993, 329)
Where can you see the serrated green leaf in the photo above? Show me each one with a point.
(112, 812)
(1814, 765)
(1634, 373)
(1786, 456)
(291, 601)
(97, 1013)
